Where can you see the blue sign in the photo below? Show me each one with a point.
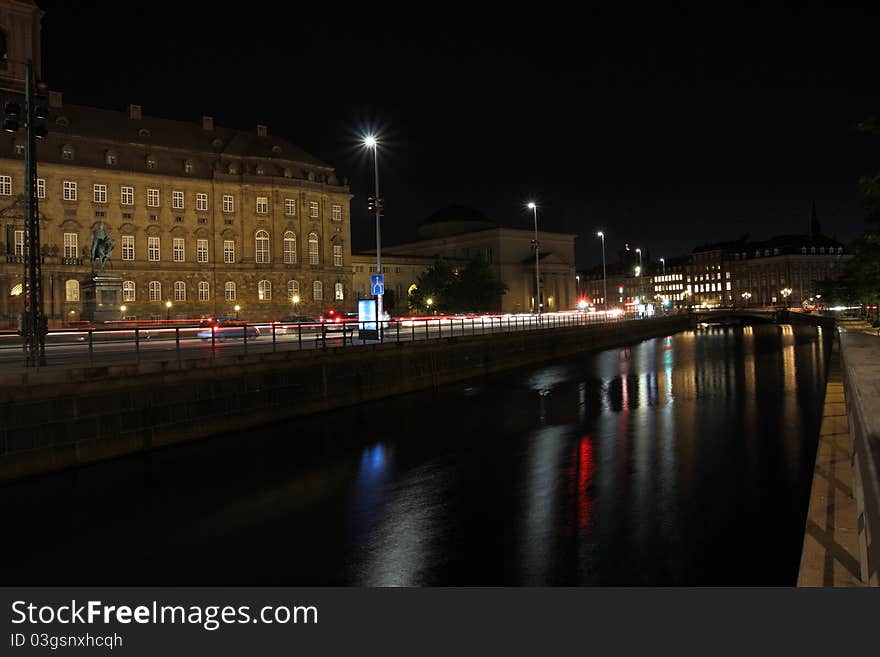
(377, 284)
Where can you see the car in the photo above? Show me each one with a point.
(293, 323)
(334, 320)
(226, 328)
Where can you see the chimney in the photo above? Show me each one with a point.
(134, 112)
(55, 99)
(207, 123)
(262, 131)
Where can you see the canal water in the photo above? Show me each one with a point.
(682, 460)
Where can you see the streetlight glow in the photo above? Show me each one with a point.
(370, 141)
(604, 276)
(531, 206)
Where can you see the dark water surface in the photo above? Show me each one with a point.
(681, 460)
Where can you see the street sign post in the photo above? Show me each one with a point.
(377, 284)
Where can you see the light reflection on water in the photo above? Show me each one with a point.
(681, 460)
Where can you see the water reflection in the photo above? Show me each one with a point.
(680, 460)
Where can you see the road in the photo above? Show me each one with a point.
(73, 348)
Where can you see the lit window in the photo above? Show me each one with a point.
(292, 289)
(204, 291)
(336, 213)
(153, 198)
(41, 188)
(201, 202)
(177, 200)
(19, 242)
(229, 291)
(187, 166)
(68, 190)
(262, 205)
(262, 246)
(313, 249)
(337, 256)
(202, 250)
(128, 247)
(99, 193)
(289, 206)
(289, 248)
(228, 203)
(153, 249)
(313, 209)
(179, 291)
(67, 152)
(71, 247)
(155, 288)
(111, 159)
(128, 291)
(71, 289)
(264, 291)
(339, 292)
(5, 185)
(229, 251)
(126, 195)
(318, 291)
(152, 162)
(177, 249)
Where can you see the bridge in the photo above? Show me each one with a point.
(772, 314)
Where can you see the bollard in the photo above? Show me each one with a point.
(137, 344)
(177, 342)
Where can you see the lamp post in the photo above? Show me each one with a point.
(746, 296)
(168, 305)
(371, 142)
(577, 287)
(604, 276)
(663, 262)
(34, 325)
(237, 309)
(785, 292)
(534, 208)
(641, 278)
(295, 300)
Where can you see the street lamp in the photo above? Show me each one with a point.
(295, 300)
(122, 309)
(237, 308)
(534, 208)
(785, 292)
(371, 142)
(168, 305)
(746, 296)
(663, 262)
(429, 302)
(577, 286)
(604, 277)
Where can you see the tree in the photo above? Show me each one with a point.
(442, 288)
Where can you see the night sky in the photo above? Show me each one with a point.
(666, 131)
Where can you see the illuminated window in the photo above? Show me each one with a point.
(18, 240)
(336, 213)
(153, 249)
(289, 206)
(337, 255)
(71, 290)
(71, 247)
(339, 293)
(262, 205)
(262, 246)
(177, 200)
(201, 250)
(99, 193)
(5, 185)
(128, 291)
(126, 195)
(201, 202)
(153, 198)
(289, 248)
(41, 188)
(177, 249)
(318, 291)
(155, 288)
(313, 249)
(229, 291)
(313, 209)
(204, 291)
(292, 289)
(68, 190)
(179, 291)
(229, 251)
(264, 291)
(228, 203)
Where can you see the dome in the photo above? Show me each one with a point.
(454, 220)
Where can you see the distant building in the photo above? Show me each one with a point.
(459, 234)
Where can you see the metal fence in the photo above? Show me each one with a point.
(134, 343)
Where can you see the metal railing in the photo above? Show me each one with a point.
(162, 341)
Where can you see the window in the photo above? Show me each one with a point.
(202, 202)
(229, 251)
(41, 188)
(202, 250)
(229, 291)
(337, 255)
(68, 192)
(152, 162)
(177, 200)
(262, 205)
(292, 290)
(128, 247)
(67, 152)
(313, 209)
(71, 290)
(70, 245)
(187, 166)
(179, 291)
(19, 148)
(228, 203)
(19, 242)
(339, 293)
(289, 206)
(111, 159)
(264, 291)
(153, 249)
(204, 291)
(313, 249)
(99, 193)
(5, 185)
(336, 213)
(318, 291)
(262, 243)
(126, 195)
(289, 248)
(155, 288)
(152, 198)
(177, 249)
(128, 291)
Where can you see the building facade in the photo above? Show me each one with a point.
(204, 217)
(458, 234)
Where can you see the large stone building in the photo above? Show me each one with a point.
(458, 234)
(204, 216)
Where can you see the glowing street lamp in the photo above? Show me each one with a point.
(746, 296)
(237, 309)
(663, 262)
(429, 302)
(785, 292)
(168, 305)
(371, 142)
(604, 277)
(534, 208)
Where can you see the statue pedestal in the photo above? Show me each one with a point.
(101, 298)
